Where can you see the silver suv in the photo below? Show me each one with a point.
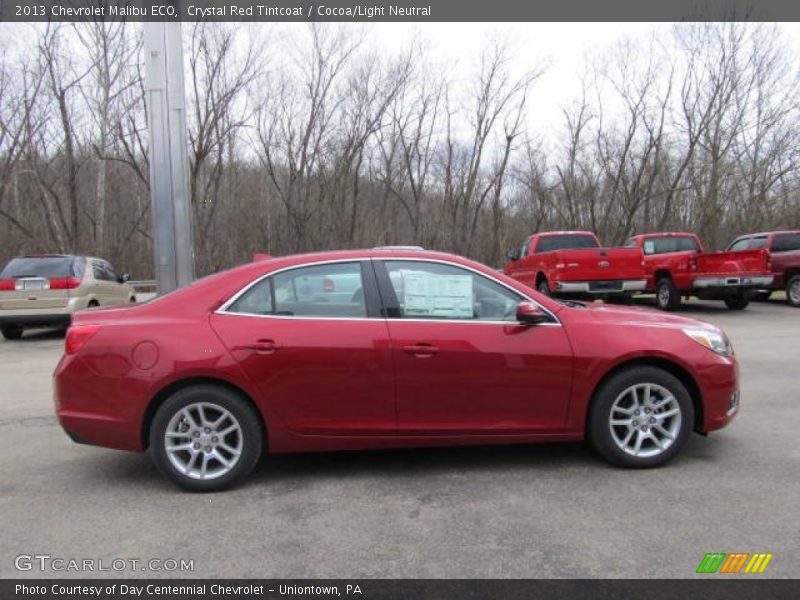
(45, 289)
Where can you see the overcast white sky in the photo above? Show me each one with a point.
(565, 46)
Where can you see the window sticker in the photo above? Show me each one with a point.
(435, 295)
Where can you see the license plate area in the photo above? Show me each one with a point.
(605, 286)
(31, 285)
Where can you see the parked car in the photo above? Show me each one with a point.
(437, 350)
(783, 251)
(573, 263)
(46, 289)
(677, 265)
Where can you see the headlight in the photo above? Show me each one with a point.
(713, 339)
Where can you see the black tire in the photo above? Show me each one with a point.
(252, 437)
(599, 429)
(92, 304)
(621, 299)
(738, 302)
(793, 291)
(12, 332)
(667, 295)
(133, 300)
(543, 287)
(763, 296)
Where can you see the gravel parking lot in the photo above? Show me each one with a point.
(527, 511)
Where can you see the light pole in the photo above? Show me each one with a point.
(169, 165)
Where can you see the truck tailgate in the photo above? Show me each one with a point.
(600, 264)
(733, 263)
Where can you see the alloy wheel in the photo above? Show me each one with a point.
(645, 420)
(203, 441)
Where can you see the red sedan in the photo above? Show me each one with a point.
(379, 349)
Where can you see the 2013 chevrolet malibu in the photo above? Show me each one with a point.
(383, 348)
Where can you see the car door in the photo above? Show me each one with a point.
(98, 285)
(463, 363)
(113, 291)
(312, 341)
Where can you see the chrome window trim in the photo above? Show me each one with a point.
(223, 310)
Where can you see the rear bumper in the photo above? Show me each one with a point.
(40, 317)
(34, 320)
(600, 287)
(95, 409)
(736, 282)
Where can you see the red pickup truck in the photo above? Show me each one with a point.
(574, 263)
(783, 250)
(676, 265)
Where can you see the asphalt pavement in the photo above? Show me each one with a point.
(552, 510)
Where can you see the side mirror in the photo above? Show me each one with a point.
(125, 277)
(530, 314)
(512, 255)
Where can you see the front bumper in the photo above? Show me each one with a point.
(720, 391)
(599, 287)
(734, 282)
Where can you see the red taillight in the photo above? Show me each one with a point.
(64, 283)
(77, 336)
(7, 285)
(328, 285)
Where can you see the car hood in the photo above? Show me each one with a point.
(635, 315)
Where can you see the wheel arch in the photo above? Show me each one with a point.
(660, 274)
(161, 396)
(671, 367)
(789, 273)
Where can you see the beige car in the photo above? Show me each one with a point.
(44, 290)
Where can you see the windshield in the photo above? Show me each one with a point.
(566, 242)
(48, 267)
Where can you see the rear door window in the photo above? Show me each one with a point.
(334, 290)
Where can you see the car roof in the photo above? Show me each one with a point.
(765, 233)
(544, 233)
(660, 234)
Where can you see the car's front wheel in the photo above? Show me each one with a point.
(12, 332)
(206, 438)
(640, 417)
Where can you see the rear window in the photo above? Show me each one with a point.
(46, 266)
(566, 242)
(670, 244)
(786, 242)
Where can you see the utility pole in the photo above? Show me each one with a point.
(169, 164)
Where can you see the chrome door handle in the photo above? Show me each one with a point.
(421, 350)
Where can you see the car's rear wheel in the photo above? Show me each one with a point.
(667, 295)
(640, 417)
(206, 438)
(12, 332)
(793, 291)
(737, 302)
(543, 287)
